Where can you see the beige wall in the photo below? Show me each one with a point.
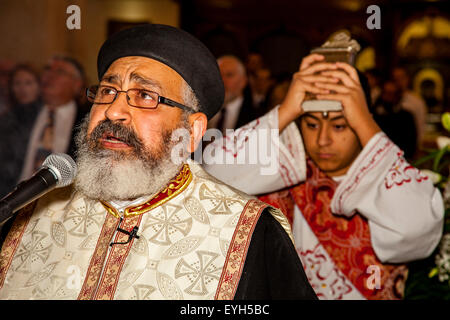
(33, 30)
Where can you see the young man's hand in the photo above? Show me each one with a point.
(350, 93)
(302, 81)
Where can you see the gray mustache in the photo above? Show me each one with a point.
(117, 130)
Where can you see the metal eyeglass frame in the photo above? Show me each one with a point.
(161, 99)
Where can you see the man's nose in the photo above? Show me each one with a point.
(119, 109)
(324, 138)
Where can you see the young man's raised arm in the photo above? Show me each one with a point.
(281, 160)
(404, 210)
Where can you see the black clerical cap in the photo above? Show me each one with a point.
(175, 48)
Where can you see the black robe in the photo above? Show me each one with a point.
(272, 269)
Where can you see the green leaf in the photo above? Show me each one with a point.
(426, 158)
(433, 272)
(438, 158)
(445, 119)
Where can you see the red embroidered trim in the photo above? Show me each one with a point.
(133, 216)
(290, 155)
(237, 252)
(376, 158)
(173, 188)
(286, 176)
(116, 260)
(313, 259)
(97, 260)
(13, 239)
(398, 174)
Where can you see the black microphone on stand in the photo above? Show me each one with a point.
(58, 170)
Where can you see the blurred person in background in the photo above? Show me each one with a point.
(24, 92)
(254, 62)
(374, 79)
(396, 122)
(17, 122)
(278, 91)
(61, 84)
(238, 107)
(262, 84)
(410, 101)
(6, 66)
(260, 79)
(428, 93)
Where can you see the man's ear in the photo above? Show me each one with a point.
(198, 123)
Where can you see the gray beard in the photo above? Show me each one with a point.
(107, 175)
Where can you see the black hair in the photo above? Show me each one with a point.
(366, 88)
(20, 67)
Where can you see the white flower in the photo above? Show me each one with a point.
(445, 245)
(442, 259)
(433, 176)
(442, 142)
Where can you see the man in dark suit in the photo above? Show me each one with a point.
(396, 122)
(238, 108)
(52, 129)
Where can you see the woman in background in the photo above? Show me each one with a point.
(24, 95)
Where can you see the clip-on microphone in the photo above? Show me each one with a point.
(131, 234)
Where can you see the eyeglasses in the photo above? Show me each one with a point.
(138, 98)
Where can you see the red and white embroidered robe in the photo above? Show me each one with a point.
(348, 232)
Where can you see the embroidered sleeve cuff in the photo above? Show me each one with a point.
(372, 163)
(403, 208)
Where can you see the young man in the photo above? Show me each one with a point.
(358, 210)
(136, 224)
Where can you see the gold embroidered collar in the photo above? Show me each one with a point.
(173, 188)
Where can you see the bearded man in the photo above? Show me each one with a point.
(137, 224)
